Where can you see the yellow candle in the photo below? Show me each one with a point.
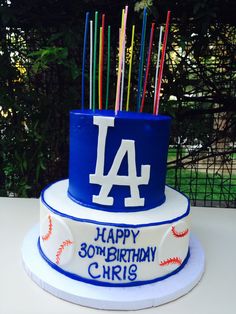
(130, 67)
(99, 68)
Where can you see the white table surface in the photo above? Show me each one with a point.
(216, 292)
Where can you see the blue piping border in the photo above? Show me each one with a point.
(108, 284)
(55, 211)
(106, 209)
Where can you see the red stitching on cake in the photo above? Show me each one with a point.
(61, 249)
(179, 234)
(48, 234)
(172, 260)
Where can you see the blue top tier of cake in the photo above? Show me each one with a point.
(118, 160)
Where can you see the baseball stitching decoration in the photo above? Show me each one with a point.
(169, 253)
(46, 236)
(172, 260)
(179, 234)
(56, 240)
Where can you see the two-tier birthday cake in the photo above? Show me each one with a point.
(113, 235)
(113, 222)
(114, 226)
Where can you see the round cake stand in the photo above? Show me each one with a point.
(125, 298)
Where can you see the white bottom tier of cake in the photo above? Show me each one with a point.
(117, 298)
(111, 248)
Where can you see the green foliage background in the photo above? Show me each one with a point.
(40, 77)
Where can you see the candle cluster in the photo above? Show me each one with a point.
(97, 41)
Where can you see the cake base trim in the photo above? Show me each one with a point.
(119, 298)
(108, 284)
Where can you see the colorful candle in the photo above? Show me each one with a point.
(84, 59)
(95, 59)
(130, 67)
(141, 57)
(91, 66)
(122, 81)
(99, 70)
(108, 63)
(157, 65)
(121, 50)
(102, 59)
(122, 68)
(148, 66)
(156, 107)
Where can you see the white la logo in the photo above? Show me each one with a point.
(112, 178)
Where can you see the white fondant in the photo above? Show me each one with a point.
(102, 249)
(103, 123)
(108, 298)
(176, 205)
(112, 178)
(56, 239)
(177, 235)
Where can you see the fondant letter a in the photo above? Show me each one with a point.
(112, 178)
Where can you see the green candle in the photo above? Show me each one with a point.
(108, 63)
(95, 59)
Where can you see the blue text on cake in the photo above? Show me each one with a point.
(119, 261)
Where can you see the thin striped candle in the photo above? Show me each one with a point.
(157, 65)
(122, 81)
(130, 67)
(95, 59)
(122, 66)
(122, 37)
(141, 57)
(99, 70)
(157, 101)
(84, 59)
(102, 58)
(108, 63)
(148, 66)
(91, 66)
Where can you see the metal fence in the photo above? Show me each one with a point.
(206, 173)
(198, 91)
(202, 155)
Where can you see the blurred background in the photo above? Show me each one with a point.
(41, 47)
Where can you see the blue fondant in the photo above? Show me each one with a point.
(151, 136)
(95, 275)
(57, 212)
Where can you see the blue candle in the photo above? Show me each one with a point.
(141, 57)
(84, 57)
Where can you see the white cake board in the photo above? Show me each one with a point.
(115, 298)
